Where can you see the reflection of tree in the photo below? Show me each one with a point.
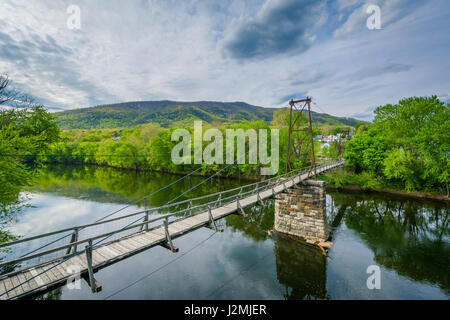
(409, 236)
(301, 268)
(8, 212)
(256, 224)
(113, 185)
(51, 295)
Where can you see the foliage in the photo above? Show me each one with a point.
(172, 114)
(149, 147)
(407, 144)
(23, 133)
(334, 151)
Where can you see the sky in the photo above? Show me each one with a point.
(263, 52)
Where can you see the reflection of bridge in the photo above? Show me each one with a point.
(184, 216)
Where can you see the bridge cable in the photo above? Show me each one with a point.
(117, 211)
(177, 197)
(240, 273)
(162, 267)
(80, 252)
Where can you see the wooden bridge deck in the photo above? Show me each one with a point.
(117, 250)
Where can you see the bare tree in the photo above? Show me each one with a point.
(13, 96)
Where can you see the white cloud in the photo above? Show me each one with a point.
(154, 50)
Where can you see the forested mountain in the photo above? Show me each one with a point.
(174, 114)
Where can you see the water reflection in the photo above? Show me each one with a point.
(301, 268)
(407, 238)
(102, 184)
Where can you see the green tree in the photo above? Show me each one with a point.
(23, 134)
(407, 143)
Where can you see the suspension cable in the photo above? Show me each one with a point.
(117, 211)
(162, 267)
(82, 251)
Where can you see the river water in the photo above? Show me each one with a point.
(407, 239)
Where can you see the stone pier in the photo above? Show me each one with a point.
(301, 211)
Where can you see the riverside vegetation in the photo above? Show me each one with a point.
(406, 147)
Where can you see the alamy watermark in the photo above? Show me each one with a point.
(73, 282)
(374, 20)
(374, 280)
(213, 153)
(74, 19)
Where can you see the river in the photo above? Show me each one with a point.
(407, 239)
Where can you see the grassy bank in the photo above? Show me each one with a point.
(347, 179)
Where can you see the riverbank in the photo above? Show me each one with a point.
(180, 172)
(79, 195)
(419, 195)
(327, 178)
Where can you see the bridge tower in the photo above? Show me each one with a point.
(296, 141)
(301, 210)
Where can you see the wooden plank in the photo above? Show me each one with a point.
(40, 280)
(129, 246)
(113, 251)
(44, 275)
(63, 271)
(97, 258)
(57, 272)
(102, 255)
(106, 253)
(25, 285)
(152, 237)
(188, 224)
(9, 285)
(198, 221)
(51, 272)
(177, 228)
(3, 290)
(32, 282)
(135, 243)
(159, 231)
(17, 284)
(3, 294)
(79, 260)
(144, 239)
(118, 248)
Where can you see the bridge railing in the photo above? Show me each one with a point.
(167, 213)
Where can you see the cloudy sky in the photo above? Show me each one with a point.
(263, 52)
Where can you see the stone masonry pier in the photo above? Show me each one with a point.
(301, 211)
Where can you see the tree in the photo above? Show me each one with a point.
(23, 134)
(12, 96)
(281, 118)
(407, 143)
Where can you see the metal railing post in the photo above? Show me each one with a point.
(92, 283)
(168, 238)
(212, 223)
(73, 238)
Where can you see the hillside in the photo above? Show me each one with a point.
(173, 113)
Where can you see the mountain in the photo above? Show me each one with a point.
(172, 113)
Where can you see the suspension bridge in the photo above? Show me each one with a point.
(39, 270)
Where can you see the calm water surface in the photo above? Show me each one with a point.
(408, 239)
